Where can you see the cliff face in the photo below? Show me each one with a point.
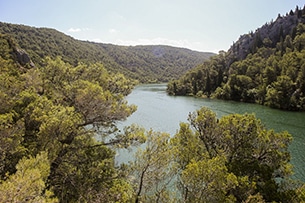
(266, 67)
(23, 57)
(11, 51)
(268, 35)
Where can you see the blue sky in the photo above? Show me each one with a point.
(204, 25)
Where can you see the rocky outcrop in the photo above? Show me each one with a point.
(268, 35)
(23, 58)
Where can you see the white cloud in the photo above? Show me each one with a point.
(98, 40)
(74, 30)
(112, 31)
(78, 29)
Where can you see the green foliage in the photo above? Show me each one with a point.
(28, 183)
(153, 171)
(186, 146)
(142, 63)
(278, 93)
(208, 180)
(230, 159)
(57, 109)
(86, 171)
(248, 159)
(10, 143)
(204, 78)
(59, 135)
(268, 71)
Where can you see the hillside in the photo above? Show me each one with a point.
(144, 63)
(265, 67)
(60, 136)
(59, 143)
(268, 35)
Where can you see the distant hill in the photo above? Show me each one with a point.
(145, 63)
(266, 66)
(269, 35)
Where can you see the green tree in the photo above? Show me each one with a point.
(269, 75)
(299, 42)
(301, 79)
(279, 93)
(59, 109)
(257, 157)
(10, 143)
(28, 183)
(208, 180)
(240, 86)
(153, 171)
(186, 146)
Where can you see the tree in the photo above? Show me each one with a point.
(240, 85)
(254, 152)
(299, 42)
(301, 79)
(208, 180)
(59, 109)
(255, 156)
(279, 93)
(152, 171)
(269, 75)
(28, 183)
(186, 146)
(10, 143)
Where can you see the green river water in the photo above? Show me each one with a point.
(161, 112)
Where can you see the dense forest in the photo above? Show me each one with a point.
(143, 63)
(265, 67)
(50, 119)
(59, 137)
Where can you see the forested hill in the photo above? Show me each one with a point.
(145, 63)
(59, 142)
(266, 67)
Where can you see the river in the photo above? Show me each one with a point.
(161, 112)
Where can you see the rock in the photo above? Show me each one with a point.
(273, 32)
(23, 58)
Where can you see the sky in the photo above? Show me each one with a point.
(202, 25)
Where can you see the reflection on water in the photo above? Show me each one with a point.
(160, 112)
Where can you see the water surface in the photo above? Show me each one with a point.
(161, 112)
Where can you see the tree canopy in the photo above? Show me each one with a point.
(265, 67)
(231, 159)
(143, 63)
(51, 116)
(58, 132)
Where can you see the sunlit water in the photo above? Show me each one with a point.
(161, 112)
